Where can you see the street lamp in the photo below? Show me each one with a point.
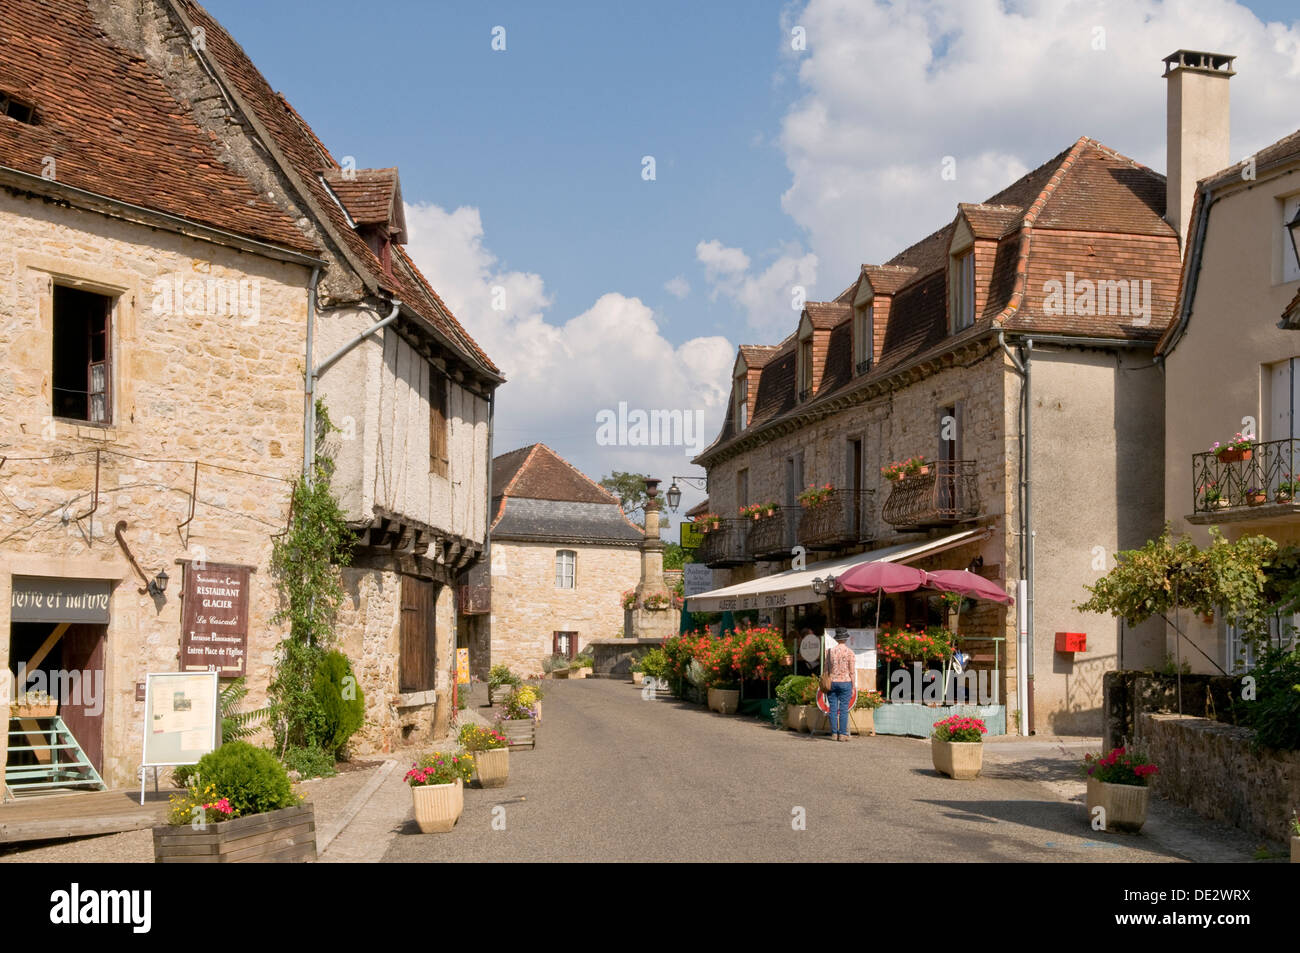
(823, 586)
(674, 494)
(1293, 227)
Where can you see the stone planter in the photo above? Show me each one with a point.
(282, 836)
(520, 732)
(725, 701)
(1125, 805)
(638, 678)
(585, 671)
(862, 721)
(492, 767)
(802, 717)
(438, 806)
(960, 760)
(560, 673)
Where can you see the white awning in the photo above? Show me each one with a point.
(794, 586)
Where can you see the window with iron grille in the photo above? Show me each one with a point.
(82, 372)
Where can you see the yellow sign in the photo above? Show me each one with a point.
(690, 536)
(462, 666)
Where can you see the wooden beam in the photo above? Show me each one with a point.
(35, 661)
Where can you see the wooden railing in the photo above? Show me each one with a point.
(946, 494)
(1264, 474)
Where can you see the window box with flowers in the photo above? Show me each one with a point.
(1237, 450)
(957, 747)
(1117, 789)
(657, 601)
(708, 522)
(815, 495)
(438, 790)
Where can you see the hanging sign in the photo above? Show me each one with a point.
(214, 619)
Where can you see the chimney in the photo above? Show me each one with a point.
(1196, 127)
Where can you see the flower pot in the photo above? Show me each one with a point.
(725, 701)
(1256, 499)
(438, 806)
(960, 760)
(638, 678)
(1282, 498)
(492, 767)
(282, 836)
(1219, 504)
(1125, 805)
(794, 716)
(1234, 456)
(862, 721)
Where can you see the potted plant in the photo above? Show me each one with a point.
(893, 472)
(490, 751)
(33, 704)
(1237, 450)
(957, 747)
(637, 668)
(770, 509)
(815, 495)
(1256, 497)
(708, 522)
(438, 790)
(585, 664)
(501, 682)
(657, 601)
(915, 466)
(655, 668)
(799, 693)
(1117, 783)
(239, 807)
(862, 717)
(1286, 490)
(519, 716)
(1212, 497)
(629, 600)
(721, 675)
(556, 665)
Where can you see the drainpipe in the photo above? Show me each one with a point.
(313, 375)
(1025, 590)
(309, 393)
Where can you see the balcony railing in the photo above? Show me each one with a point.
(725, 546)
(946, 494)
(474, 600)
(1264, 474)
(842, 520)
(772, 537)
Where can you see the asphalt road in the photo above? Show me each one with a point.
(619, 778)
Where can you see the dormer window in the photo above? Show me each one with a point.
(741, 391)
(864, 332)
(805, 367)
(961, 296)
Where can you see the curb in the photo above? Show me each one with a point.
(354, 806)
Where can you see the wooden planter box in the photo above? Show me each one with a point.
(47, 710)
(497, 693)
(282, 836)
(520, 732)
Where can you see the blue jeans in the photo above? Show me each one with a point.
(838, 701)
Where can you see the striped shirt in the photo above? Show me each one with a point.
(842, 663)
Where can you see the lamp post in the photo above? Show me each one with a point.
(674, 495)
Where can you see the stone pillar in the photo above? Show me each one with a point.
(653, 623)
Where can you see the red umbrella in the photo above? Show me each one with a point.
(881, 576)
(967, 583)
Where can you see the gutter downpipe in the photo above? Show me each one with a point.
(1025, 588)
(313, 374)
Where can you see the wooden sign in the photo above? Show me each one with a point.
(214, 619)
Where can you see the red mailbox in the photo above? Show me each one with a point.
(1071, 642)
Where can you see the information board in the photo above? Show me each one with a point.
(214, 619)
(181, 717)
(696, 578)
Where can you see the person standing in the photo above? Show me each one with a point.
(843, 667)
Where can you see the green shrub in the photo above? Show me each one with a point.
(797, 690)
(554, 663)
(655, 663)
(309, 762)
(340, 702)
(584, 661)
(1275, 712)
(501, 675)
(250, 778)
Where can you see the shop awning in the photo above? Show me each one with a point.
(794, 586)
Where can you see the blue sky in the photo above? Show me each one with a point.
(522, 168)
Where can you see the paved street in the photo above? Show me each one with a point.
(618, 778)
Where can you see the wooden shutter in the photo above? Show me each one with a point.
(417, 656)
(437, 424)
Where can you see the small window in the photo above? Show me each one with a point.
(963, 291)
(742, 402)
(805, 368)
(82, 371)
(438, 425)
(864, 331)
(1281, 634)
(17, 110)
(566, 564)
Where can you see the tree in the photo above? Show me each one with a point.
(674, 555)
(630, 490)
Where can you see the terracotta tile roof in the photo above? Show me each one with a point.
(1285, 149)
(699, 509)
(112, 127)
(307, 161)
(756, 355)
(1088, 213)
(371, 196)
(537, 472)
(538, 494)
(824, 315)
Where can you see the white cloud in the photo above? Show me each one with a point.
(678, 287)
(889, 90)
(560, 375)
(768, 297)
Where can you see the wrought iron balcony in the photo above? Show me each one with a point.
(1224, 485)
(842, 520)
(474, 600)
(772, 537)
(946, 493)
(725, 546)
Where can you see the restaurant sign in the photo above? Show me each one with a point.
(45, 599)
(214, 619)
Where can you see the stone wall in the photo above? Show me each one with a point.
(1211, 768)
(527, 608)
(1128, 695)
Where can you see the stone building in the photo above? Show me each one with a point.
(1232, 353)
(179, 253)
(562, 555)
(1012, 349)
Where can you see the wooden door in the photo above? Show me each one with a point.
(82, 695)
(417, 658)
